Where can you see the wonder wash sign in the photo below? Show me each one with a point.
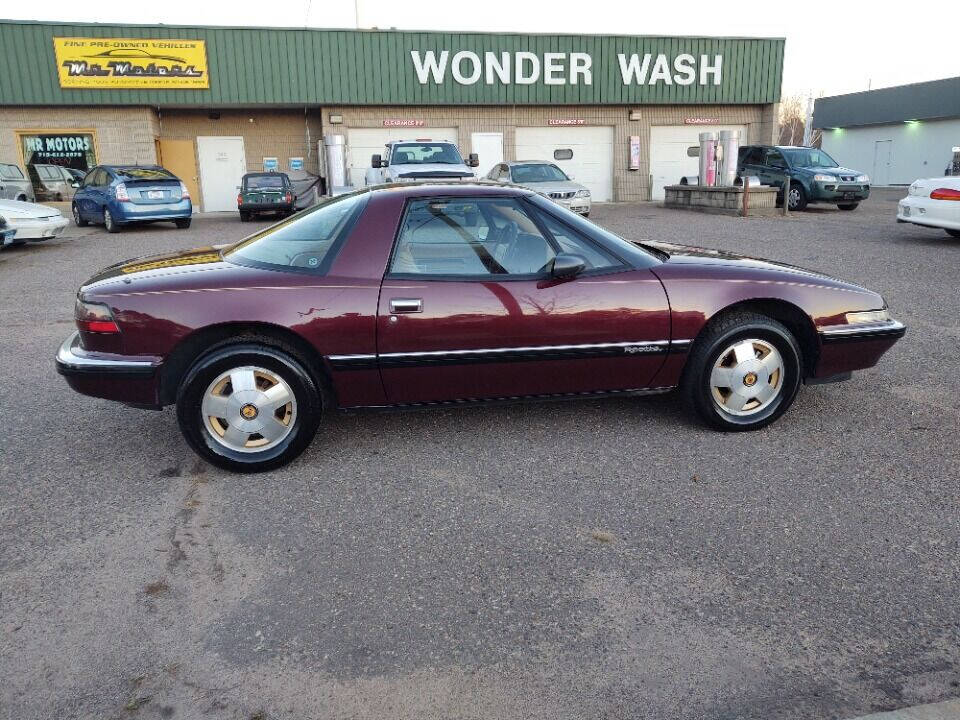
(562, 68)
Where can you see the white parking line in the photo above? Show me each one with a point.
(949, 710)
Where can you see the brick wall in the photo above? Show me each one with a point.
(627, 184)
(266, 133)
(123, 134)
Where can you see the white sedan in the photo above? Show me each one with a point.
(933, 203)
(30, 221)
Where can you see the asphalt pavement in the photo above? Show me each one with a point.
(597, 559)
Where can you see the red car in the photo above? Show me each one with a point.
(417, 294)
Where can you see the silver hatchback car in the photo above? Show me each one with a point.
(14, 184)
(545, 178)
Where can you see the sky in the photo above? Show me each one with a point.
(832, 47)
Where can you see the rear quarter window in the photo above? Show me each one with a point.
(11, 172)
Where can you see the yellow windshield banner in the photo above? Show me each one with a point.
(131, 63)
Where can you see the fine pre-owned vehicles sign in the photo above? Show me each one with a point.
(131, 63)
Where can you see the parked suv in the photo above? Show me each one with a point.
(815, 177)
(14, 185)
(52, 182)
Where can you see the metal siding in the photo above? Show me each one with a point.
(312, 67)
(919, 101)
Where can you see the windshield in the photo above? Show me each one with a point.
(259, 182)
(425, 153)
(809, 157)
(143, 173)
(307, 241)
(540, 172)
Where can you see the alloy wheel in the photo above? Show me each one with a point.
(747, 377)
(249, 409)
(794, 197)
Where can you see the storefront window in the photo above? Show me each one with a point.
(71, 149)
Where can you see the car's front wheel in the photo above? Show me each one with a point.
(249, 407)
(77, 217)
(743, 372)
(848, 206)
(797, 197)
(109, 223)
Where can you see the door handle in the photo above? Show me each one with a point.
(406, 305)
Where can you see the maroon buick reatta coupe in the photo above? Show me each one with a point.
(414, 294)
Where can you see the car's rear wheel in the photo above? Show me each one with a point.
(953, 233)
(77, 217)
(797, 197)
(848, 206)
(109, 223)
(244, 216)
(249, 407)
(182, 223)
(743, 373)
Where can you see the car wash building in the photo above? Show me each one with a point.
(896, 134)
(621, 114)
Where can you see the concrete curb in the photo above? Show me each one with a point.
(949, 710)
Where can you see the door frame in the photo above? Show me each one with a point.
(491, 134)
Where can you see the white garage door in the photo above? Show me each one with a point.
(669, 160)
(591, 163)
(364, 142)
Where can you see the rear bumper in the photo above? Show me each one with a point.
(265, 207)
(121, 378)
(845, 348)
(929, 213)
(127, 212)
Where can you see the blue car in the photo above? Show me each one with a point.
(119, 195)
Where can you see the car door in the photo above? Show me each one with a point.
(94, 192)
(7, 190)
(469, 309)
(774, 168)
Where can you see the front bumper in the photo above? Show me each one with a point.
(929, 213)
(126, 212)
(39, 228)
(839, 192)
(132, 380)
(575, 204)
(845, 348)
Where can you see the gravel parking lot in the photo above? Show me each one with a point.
(606, 559)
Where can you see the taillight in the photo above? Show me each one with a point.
(184, 192)
(945, 194)
(288, 197)
(239, 199)
(120, 192)
(95, 317)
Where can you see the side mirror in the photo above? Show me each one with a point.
(376, 162)
(474, 160)
(239, 187)
(567, 265)
(74, 184)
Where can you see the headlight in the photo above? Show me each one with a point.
(825, 178)
(863, 178)
(869, 316)
(582, 193)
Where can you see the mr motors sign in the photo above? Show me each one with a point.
(466, 67)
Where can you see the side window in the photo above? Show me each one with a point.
(11, 172)
(753, 156)
(570, 241)
(775, 159)
(470, 237)
(48, 173)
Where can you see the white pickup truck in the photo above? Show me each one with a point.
(420, 160)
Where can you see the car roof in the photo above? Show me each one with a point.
(265, 173)
(433, 188)
(511, 163)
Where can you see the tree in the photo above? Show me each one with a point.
(793, 115)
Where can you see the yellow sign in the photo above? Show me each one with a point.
(131, 63)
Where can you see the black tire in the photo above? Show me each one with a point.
(77, 218)
(720, 335)
(848, 206)
(244, 216)
(182, 223)
(109, 223)
(953, 233)
(798, 197)
(587, 214)
(283, 362)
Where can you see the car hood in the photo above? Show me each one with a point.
(17, 210)
(689, 255)
(549, 187)
(831, 170)
(156, 269)
(432, 170)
